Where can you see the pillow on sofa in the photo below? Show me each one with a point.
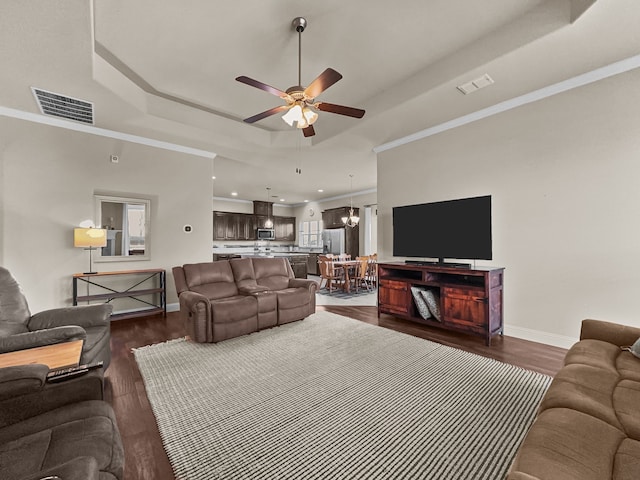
(423, 309)
(634, 349)
(433, 302)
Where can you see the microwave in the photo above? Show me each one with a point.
(266, 234)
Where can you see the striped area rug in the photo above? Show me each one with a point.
(334, 398)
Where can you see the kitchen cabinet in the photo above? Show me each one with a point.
(299, 265)
(332, 217)
(224, 226)
(312, 264)
(233, 226)
(285, 228)
(242, 226)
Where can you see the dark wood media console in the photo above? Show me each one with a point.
(470, 298)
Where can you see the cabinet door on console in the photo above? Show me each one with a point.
(394, 296)
(464, 307)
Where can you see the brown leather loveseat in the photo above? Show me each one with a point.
(588, 425)
(229, 298)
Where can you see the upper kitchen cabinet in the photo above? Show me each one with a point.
(242, 226)
(224, 226)
(332, 217)
(285, 228)
(233, 226)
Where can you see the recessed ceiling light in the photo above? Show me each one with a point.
(213, 178)
(282, 199)
(320, 190)
(306, 201)
(234, 194)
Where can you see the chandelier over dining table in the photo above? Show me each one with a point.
(352, 220)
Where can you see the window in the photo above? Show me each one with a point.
(309, 234)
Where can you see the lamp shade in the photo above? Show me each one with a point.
(89, 237)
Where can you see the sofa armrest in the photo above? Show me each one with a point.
(22, 379)
(614, 333)
(33, 395)
(39, 338)
(79, 468)
(82, 315)
(195, 310)
(311, 285)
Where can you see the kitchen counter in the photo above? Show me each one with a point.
(274, 254)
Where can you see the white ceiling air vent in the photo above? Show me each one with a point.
(480, 82)
(62, 106)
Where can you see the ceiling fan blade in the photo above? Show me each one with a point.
(266, 114)
(262, 86)
(340, 109)
(309, 131)
(320, 84)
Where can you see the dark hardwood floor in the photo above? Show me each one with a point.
(145, 458)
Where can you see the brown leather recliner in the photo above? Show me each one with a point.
(19, 330)
(229, 298)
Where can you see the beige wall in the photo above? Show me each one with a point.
(564, 174)
(49, 176)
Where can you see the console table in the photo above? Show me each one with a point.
(470, 298)
(109, 287)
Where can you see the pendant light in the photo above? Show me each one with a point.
(352, 220)
(268, 223)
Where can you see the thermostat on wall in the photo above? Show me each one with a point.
(187, 228)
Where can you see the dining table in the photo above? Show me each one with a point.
(348, 266)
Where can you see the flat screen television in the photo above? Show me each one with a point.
(458, 229)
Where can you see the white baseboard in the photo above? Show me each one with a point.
(538, 336)
(173, 307)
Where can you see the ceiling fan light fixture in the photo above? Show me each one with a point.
(310, 115)
(294, 115)
(299, 100)
(301, 115)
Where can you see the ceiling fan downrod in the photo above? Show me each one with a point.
(299, 23)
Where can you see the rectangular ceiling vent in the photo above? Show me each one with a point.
(58, 105)
(480, 82)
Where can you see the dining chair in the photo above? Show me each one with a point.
(372, 270)
(331, 275)
(361, 272)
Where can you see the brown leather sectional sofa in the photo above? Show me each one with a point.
(229, 298)
(588, 425)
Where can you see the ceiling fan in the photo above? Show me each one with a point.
(300, 101)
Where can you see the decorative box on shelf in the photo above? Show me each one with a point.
(144, 289)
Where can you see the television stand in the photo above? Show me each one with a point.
(470, 298)
(439, 263)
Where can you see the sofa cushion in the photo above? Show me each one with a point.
(213, 280)
(626, 401)
(233, 309)
(627, 461)
(85, 429)
(272, 272)
(565, 444)
(243, 272)
(628, 366)
(595, 353)
(586, 389)
(292, 297)
(13, 304)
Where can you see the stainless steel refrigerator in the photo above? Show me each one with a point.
(333, 241)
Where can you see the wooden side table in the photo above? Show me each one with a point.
(135, 279)
(59, 355)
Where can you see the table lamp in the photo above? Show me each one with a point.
(89, 239)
